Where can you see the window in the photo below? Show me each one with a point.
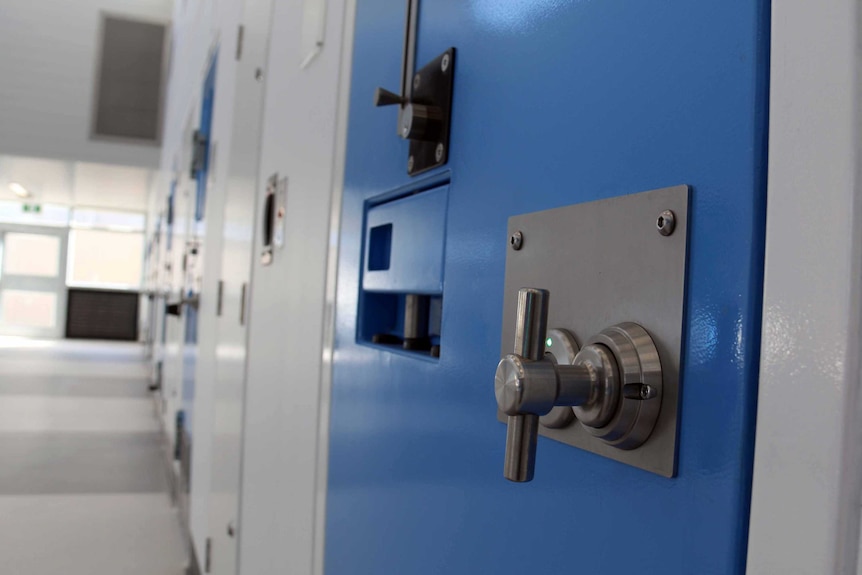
(105, 258)
(31, 255)
(22, 308)
(109, 220)
(13, 212)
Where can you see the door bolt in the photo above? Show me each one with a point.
(666, 223)
(517, 240)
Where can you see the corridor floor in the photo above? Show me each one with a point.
(83, 487)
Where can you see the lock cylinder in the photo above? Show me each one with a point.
(420, 122)
(613, 385)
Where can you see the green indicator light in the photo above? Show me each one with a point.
(549, 342)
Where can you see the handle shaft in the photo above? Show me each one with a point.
(521, 436)
(531, 328)
(531, 324)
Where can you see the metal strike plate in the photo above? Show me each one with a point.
(432, 86)
(604, 263)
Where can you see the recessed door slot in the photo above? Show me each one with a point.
(401, 300)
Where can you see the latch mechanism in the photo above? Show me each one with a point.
(199, 153)
(614, 385)
(425, 101)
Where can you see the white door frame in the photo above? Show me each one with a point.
(805, 495)
(55, 285)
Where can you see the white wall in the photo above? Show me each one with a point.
(199, 27)
(78, 184)
(48, 63)
(805, 500)
(304, 118)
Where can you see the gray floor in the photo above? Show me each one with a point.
(83, 489)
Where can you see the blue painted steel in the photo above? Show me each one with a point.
(190, 355)
(205, 129)
(171, 209)
(556, 102)
(190, 313)
(416, 242)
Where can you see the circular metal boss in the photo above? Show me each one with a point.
(638, 363)
(561, 345)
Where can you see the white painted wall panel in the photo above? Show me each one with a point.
(231, 330)
(285, 341)
(48, 62)
(222, 34)
(200, 27)
(805, 500)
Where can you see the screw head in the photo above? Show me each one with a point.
(665, 223)
(517, 241)
(438, 153)
(410, 161)
(444, 63)
(417, 79)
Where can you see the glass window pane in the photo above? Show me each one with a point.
(31, 255)
(106, 258)
(119, 221)
(29, 308)
(35, 214)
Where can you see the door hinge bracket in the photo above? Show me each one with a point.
(208, 554)
(240, 36)
(220, 298)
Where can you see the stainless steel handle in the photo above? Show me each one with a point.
(606, 378)
(383, 97)
(523, 429)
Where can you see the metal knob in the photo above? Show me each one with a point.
(605, 383)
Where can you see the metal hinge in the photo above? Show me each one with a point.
(242, 304)
(208, 555)
(240, 34)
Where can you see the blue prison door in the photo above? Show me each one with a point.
(556, 102)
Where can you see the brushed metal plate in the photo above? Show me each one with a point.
(604, 263)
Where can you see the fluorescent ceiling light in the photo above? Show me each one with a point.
(19, 190)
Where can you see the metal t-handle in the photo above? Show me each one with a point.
(608, 382)
(383, 97)
(522, 433)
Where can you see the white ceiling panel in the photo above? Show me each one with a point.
(76, 183)
(102, 185)
(49, 181)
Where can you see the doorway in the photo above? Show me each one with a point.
(32, 281)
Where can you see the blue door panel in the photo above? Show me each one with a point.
(556, 102)
(190, 355)
(190, 347)
(205, 129)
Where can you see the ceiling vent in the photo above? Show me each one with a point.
(130, 81)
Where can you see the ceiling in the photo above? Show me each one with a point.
(77, 183)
